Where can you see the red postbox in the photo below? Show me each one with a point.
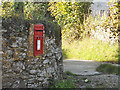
(38, 39)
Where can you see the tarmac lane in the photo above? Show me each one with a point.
(81, 67)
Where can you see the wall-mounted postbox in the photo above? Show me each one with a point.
(38, 39)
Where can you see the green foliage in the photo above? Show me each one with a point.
(7, 9)
(67, 83)
(70, 16)
(26, 10)
(70, 73)
(18, 7)
(108, 68)
(36, 11)
(10, 9)
(102, 22)
(110, 21)
(90, 49)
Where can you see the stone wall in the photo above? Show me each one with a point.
(21, 69)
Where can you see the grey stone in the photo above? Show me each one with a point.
(20, 39)
(22, 84)
(31, 80)
(82, 86)
(56, 65)
(25, 49)
(14, 45)
(24, 54)
(50, 69)
(16, 84)
(45, 61)
(25, 77)
(33, 71)
(9, 51)
(43, 57)
(32, 85)
(20, 44)
(11, 60)
(40, 79)
(39, 71)
(23, 67)
(49, 54)
(25, 44)
(18, 66)
(32, 76)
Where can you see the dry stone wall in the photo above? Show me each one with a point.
(21, 69)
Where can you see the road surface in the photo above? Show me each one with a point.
(81, 67)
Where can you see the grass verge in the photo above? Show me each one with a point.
(108, 68)
(90, 49)
(70, 73)
(69, 82)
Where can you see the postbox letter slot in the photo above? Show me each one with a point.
(39, 30)
(38, 44)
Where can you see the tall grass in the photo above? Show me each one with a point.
(90, 49)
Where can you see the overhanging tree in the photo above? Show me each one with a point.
(70, 16)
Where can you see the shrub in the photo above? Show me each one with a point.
(108, 68)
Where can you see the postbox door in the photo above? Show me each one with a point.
(38, 40)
